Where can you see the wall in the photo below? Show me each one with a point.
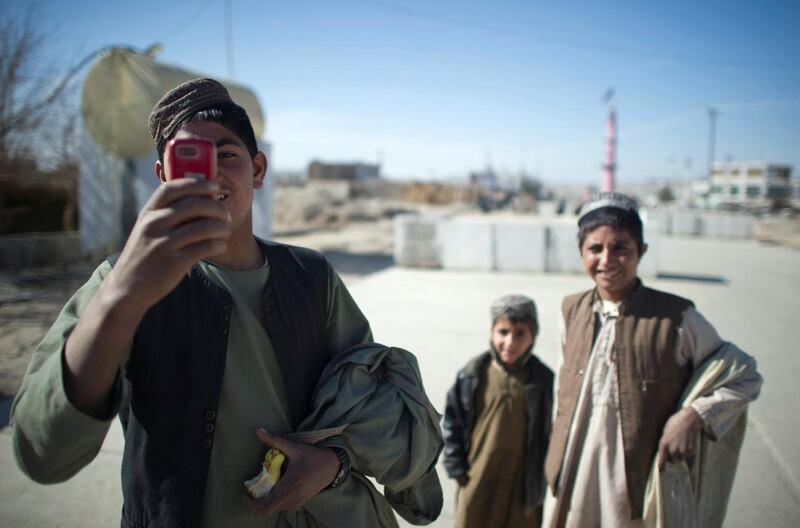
(499, 244)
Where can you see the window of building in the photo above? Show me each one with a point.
(778, 193)
(780, 173)
(734, 191)
(753, 192)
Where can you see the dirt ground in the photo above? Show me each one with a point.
(29, 302)
(780, 230)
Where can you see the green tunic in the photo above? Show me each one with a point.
(494, 494)
(253, 394)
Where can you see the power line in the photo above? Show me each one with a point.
(583, 45)
(229, 38)
(712, 136)
(184, 23)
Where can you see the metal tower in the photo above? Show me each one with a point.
(609, 183)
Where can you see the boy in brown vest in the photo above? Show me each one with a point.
(497, 424)
(628, 353)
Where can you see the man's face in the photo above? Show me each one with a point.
(511, 340)
(610, 257)
(239, 174)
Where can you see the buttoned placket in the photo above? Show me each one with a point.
(604, 381)
(210, 415)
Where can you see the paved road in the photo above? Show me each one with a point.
(751, 293)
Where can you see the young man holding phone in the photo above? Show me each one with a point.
(200, 336)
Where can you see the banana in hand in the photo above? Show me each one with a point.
(258, 486)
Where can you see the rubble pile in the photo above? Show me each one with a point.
(778, 229)
(314, 205)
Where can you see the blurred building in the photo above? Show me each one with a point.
(318, 170)
(699, 192)
(289, 177)
(750, 184)
(486, 179)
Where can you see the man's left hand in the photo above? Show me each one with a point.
(309, 470)
(677, 441)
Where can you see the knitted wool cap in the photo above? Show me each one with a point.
(608, 199)
(181, 103)
(514, 306)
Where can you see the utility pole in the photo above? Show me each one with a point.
(712, 137)
(229, 38)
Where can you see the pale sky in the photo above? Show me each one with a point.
(438, 89)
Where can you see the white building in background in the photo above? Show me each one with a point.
(750, 184)
(320, 170)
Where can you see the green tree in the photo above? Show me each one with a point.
(665, 194)
(531, 186)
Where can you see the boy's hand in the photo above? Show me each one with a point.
(680, 431)
(309, 470)
(181, 224)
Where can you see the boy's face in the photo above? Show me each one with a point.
(511, 340)
(610, 257)
(239, 174)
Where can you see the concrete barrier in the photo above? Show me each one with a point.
(562, 247)
(740, 226)
(649, 264)
(685, 223)
(415, 242)
(520, 246)
(662, 217)
(466, 244)
(697, 222)
(499, 243)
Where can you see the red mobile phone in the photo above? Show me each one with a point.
(192, 158)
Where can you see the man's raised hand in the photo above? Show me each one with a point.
(182, 223)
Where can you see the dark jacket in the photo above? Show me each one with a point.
(459, 418)
(172, 383)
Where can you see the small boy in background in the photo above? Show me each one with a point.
(497, 424)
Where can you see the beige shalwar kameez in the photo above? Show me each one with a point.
(493, 497)
(592, 489)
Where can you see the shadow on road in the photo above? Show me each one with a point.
(716, 279)
(358, 263)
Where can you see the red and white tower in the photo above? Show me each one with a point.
(609, 182)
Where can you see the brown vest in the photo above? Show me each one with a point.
(650, 379)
